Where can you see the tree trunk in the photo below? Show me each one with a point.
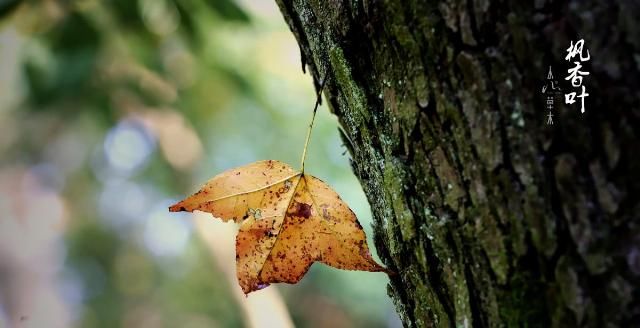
(489, 215)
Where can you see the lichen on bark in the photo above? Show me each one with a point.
(489, 216)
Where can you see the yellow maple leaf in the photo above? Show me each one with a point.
(289, 220)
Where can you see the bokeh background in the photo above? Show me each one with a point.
(112, 110)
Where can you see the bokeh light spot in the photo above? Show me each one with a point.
(165, 234)
(128, 146)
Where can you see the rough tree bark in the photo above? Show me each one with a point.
(490, 216)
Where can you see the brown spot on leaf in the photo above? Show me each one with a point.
(301, 210)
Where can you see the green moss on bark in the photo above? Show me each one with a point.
(490, 217)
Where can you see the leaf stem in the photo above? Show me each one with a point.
(315, 109)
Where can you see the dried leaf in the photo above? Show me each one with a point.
(288, 221)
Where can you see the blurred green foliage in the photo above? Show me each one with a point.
(116, 108)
